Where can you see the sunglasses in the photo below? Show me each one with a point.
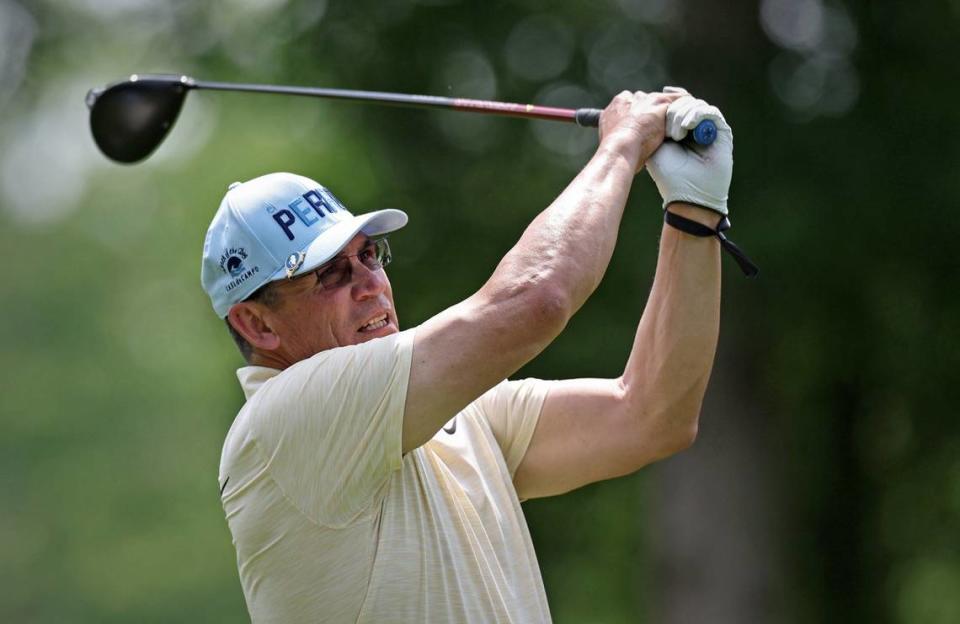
(339, 272)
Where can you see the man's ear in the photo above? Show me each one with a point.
(248, 319)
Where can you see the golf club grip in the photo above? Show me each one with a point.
(588, 117)
(704, 134)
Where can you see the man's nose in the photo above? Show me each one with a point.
(366, 281)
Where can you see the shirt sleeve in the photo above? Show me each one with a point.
(330, 427)
(512, 409)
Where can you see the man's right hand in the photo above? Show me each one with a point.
(634, 124)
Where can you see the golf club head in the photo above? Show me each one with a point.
(129, 119)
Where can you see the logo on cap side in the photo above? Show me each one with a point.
(231, 260)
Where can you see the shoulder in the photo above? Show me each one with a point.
(339, 370)
(319, 398)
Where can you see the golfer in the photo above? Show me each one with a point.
(376, 475)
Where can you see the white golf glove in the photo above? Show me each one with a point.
(688, 172)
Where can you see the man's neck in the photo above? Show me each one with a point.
(269, 360)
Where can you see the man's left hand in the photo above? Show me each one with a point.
(685, 171)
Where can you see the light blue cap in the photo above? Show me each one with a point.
(276, 227)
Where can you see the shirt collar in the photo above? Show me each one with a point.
(252, 377)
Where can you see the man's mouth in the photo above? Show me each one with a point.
(375, 323)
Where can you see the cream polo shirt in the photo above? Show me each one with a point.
(332, 524)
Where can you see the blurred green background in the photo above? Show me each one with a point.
(825, 485)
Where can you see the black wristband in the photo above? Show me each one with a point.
(698, 229)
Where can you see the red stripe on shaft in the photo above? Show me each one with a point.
(517, 110)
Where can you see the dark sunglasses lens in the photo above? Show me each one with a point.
(374, 256)
(336, 274)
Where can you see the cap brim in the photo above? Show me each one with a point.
(330, 242)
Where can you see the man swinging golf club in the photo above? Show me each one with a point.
(374, 474)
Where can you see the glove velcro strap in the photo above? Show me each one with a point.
(698, 229)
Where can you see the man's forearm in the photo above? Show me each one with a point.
(672, 356)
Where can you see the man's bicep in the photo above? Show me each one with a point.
(463, 352)
(587, 432)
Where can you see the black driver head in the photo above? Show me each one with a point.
(129, 119)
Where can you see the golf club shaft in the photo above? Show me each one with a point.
(129, 119)
(704, 133)
(582, 116)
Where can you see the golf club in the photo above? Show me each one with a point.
(130, 118)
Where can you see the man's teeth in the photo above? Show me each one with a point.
(375, 324)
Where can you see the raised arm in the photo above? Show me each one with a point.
(540, 283)
(595, 429)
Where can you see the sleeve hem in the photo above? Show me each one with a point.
(518, 451)
(395, 435)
